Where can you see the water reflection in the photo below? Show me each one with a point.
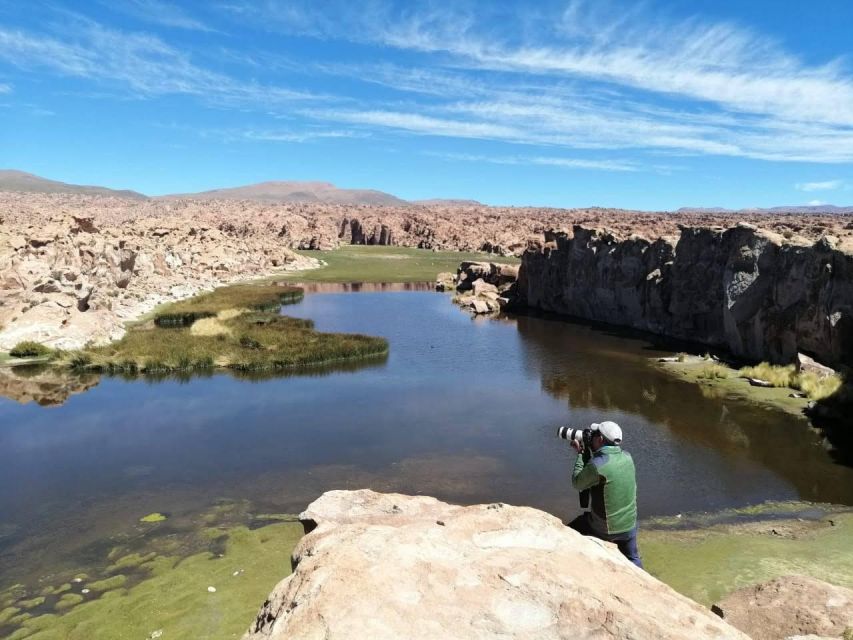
(607, 373)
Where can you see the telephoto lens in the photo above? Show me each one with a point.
(568, 433)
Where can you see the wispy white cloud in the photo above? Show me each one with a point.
(162, 13)
(815, 203)
(300, 136)
(136, 62)
(5, 88)
(713, 62)
(826, 185)
(549, 161)
(730, 90)
(417, 123)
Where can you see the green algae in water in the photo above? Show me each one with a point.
(108, 584)
(68, 600)
(175, 598)
(50, 590)
(153, 517)
(707, 564)
(32, 603)
(131, 561)
(8, 613)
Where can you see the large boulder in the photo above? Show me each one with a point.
(392, 566)
(789, 606)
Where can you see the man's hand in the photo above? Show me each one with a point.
(577, 446)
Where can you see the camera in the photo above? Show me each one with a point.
(581, 436)
(584, 438)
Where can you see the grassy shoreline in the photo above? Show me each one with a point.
(356, 263)
(786, 391)
(236, 327)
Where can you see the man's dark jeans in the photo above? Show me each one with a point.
(627, 542)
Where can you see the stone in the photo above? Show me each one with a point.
(479, 306)
(789, 606)
(806, 364)
(445, 282)
(480, 286)
(382, 566)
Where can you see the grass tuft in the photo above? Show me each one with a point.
(245, 296)
(815, 386)
(29, 349)
(714, 372)
(778, 376)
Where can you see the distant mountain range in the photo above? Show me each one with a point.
(816, 208)
(290, 191)
(297, 192)
(20, 181)
(272, 192)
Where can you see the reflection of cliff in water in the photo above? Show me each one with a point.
(364, 287)
(51, 386)
(42, 384)
(594, 369)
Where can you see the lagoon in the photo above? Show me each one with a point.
(462, 408)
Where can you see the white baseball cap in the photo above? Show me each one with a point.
(610, 430)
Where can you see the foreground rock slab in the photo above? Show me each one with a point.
(393, 566)
(790, 606)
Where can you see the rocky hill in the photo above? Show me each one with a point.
(284, 191)
(22, 182)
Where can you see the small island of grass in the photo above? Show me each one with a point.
(236, 327)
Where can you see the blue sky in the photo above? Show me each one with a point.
(651, 105)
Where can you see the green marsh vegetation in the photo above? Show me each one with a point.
(356, 263)
(30, 349)
(156, 581)
(236, 327)
(706, 561)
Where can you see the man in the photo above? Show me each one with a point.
(608, 473)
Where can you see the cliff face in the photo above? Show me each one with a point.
(740, 289)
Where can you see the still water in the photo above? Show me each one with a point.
(462, 408)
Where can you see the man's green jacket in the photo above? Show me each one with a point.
(610, 477)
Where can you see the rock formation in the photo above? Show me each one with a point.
(789, 606)
(392, 566)
(74, 267)
(482, 286)
(742, 289)
(70, 279)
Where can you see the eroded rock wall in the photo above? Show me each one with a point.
(740, 289)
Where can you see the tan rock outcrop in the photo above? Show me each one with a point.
(789, 606)
(393, 566)
(122, 256)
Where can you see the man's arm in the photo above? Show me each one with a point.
(584, 476)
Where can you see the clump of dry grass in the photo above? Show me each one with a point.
(714, 372)
(208, 327)
(815, 386)
(29, 349)
(778, 376)
(254, 297)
